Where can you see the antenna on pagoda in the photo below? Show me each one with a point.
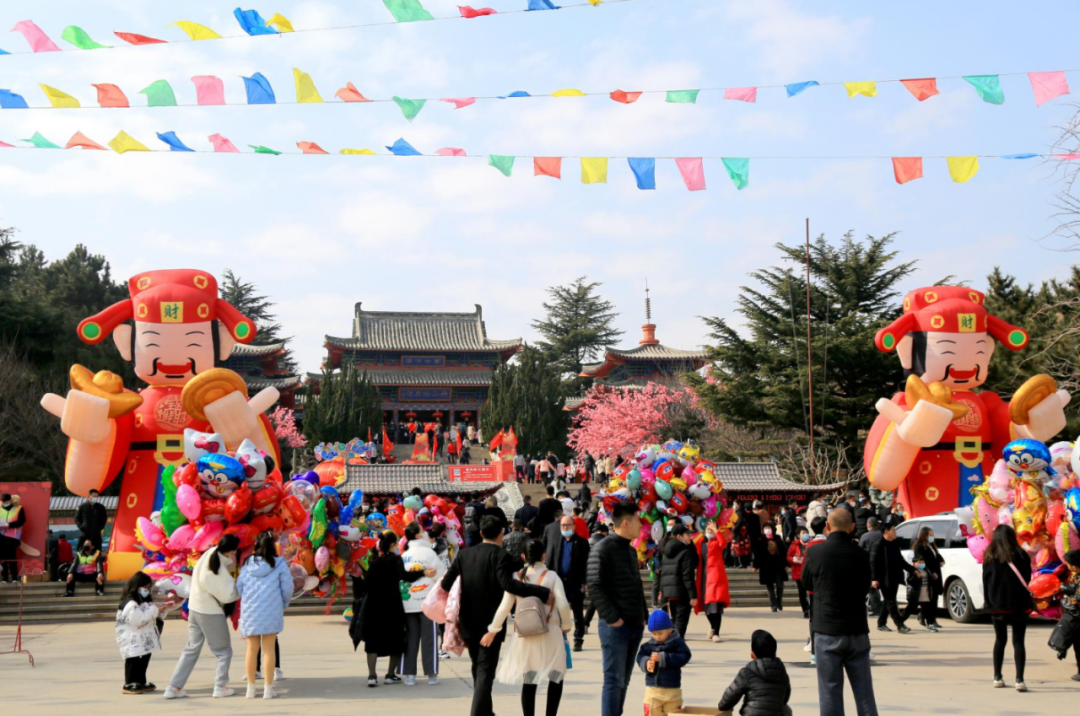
(648, 331)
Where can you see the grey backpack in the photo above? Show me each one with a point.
(529, 619)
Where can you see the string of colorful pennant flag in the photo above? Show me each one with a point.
(210, 90)
(594, 170)
(253, 25)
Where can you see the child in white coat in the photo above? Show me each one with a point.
(138, 631)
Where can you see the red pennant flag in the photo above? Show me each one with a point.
(349, 93)
(625, 97)
(111, 96)
(547, 167)
(471, 12)
(81, 140)
(387, 446)
(497, 440)
(922, 89)
(907, 169)
(132, 39)
(313, 148)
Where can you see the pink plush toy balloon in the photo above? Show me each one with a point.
(187, 499)
(689, 475)
(322, 558)
(977, 545)
(207, 536)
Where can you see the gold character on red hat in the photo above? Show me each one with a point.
(175, 329)
(938, 439)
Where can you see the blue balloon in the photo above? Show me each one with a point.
(1072, 501)
(356, 498)
(330, 492)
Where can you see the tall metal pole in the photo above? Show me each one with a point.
(809, 350)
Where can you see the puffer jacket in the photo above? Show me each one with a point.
(674, 655)
(265, 592)
(677, 578)
(763, 685)
(421, 552)
(136, 628)
(615, 583)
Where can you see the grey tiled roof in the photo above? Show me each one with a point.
(259, 382)
(762, 476)
(241, 350)
(658, 352)
(573, 403)
(70, 503)
(420, 331)
(408, 376)
(398, 479)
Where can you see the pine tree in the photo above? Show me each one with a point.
(578, 327)
(347, 406)
(527, 395)
(260, 309)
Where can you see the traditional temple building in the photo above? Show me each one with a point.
(435, 365)
(648, 362)
(260, 368)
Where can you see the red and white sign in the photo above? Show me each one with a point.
(499, 471)
(34, 500)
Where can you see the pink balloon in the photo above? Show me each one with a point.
(187, 499)
(207, 536)
(152, 536)
(181, 538)
(689, 475)
(1067, 539)
(709, 505)
(977, 545)
(647, 474)
(987, 513)
(322, 558)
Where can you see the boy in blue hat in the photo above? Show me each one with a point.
(662, 659)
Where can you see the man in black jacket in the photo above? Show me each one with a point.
(789, 521)
(887, 568)
(486, 571)
(615, 588)
(678, 583)
(527, 512)
(868, 541)
(91, 519)
(548, 511)
(864, 510)
(474, 514)
(837, 572)
(567, 554)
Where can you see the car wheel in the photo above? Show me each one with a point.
(958, 602)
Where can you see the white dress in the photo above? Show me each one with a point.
(541, 658)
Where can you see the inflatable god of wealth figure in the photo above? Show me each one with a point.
(937, 439)
(180, 329)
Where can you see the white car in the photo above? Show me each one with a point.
(962, 575)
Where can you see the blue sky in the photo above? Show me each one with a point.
(321, 233)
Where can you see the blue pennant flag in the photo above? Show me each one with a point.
(402, 148)
(516, 93)
(175, 145)
(4, 52)
(799, 87)
(542, 5)
(259, 90)
(644, 169)
(10, 100)
(252, 23)
(1020, 156)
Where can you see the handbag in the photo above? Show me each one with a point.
(529, 619)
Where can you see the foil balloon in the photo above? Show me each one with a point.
(656, 531)
(414, 503)
(633, 479)
(1066, 539)
(977, 545)
(663, 490)
(149, 535)
(679, 503)
(677, 483)
(322, 559)
(207, 536)
(178, 584)
(181, 538)
(664, 471)
(1072, 502)
(189, 502)
(303, 491)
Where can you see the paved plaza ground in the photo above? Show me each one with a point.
(79, 671)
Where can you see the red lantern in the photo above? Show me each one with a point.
(437, 414)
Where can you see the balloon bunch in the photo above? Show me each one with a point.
(216, 492)
(1035, 490)
(669, 480)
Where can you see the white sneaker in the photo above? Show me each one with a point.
(171, 692)
(258, 676)
(278, 675)
(221, 692)
(251, 691)
(807, 647)
(1021, 686)
(268, 692)
(410, 680)
(999, 683)
(872, 657)
(433, 681)
(716, 638)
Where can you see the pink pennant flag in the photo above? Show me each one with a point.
(468, 11)
(39, 41)
(625, 97)
(907, 169)
(81, 140)
(1048, 85)
(5, 145)
(311, 148)
(209, 89)
(221, 144)
(1067, 157)
(450, 152)
(693, 172)
(742, 94)
(459, 102)
(111, 96)
(349, 93)
(922, 89)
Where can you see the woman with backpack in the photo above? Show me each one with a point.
(538, 648)
(1006, 573)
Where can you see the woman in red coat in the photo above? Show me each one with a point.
(712, 593)
(796, 555)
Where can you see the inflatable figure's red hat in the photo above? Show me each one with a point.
(169, 296)
(948, 309)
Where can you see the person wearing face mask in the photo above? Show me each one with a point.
(789, 521)
(12, 519)
(213, 586)
(924, 584)
(91, 519)
(678, 584)
(567, 555)
(713, 595)
(796, 556)
(864, 510)
(138, 631)
(770, 562)
(86, 568)
(421, 634)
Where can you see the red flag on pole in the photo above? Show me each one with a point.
(369, 434)
(497, 440)
(459, 442)
(387, 446)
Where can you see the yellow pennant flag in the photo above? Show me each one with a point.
(962, 168)
(196, 31)
(866, 89)
(594, 3)
(58, 98)
(280, 22)
(568, 93)
(594, 170)
(124, 142)
(356, 151)
(305, 88)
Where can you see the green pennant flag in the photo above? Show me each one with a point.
(682, 96)
(988, 87)
(264, 150)
(159, 94)
(738, 170)
(40, 142)
(78, 37)
(410, 107)
(407, 10)
(503, 163)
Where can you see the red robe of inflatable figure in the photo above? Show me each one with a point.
(933, 444)
(180, 329)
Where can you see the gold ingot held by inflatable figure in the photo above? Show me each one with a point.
(105, 384)
(1035, 389)
(209, 386)
(936, 393)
